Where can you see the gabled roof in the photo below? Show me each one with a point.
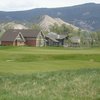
(11, 34)
(54, 36)
(29, 33)
(53, 39)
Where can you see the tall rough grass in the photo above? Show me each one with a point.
(83, 84)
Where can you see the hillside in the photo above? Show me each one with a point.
(12, 25)
(44, 22)
(47, 21)
(86, 16)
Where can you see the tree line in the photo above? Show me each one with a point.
(88, 38)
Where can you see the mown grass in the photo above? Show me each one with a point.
(28, 73)
(28, 59)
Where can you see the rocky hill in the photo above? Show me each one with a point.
(12, 25)
(46, 22)
(86, 16)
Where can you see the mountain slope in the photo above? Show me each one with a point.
(47, 21)
(12, 25)
(86, 16)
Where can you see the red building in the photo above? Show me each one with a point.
(15, 39)
(23, 37)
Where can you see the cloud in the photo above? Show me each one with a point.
(11, 5)
(15, 5)
(27, 4)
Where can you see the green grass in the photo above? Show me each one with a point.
(81, 84)
(28, 59)
(49, 73)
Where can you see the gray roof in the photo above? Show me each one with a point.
(29, 33)
(11, 34)
(55, 36)
(75, 39)
(7, 36)
(53, 39)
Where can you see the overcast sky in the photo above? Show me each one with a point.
(14, 5)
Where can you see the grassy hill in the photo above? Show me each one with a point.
(51, 73)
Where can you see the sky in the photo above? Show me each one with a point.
(17, 5)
